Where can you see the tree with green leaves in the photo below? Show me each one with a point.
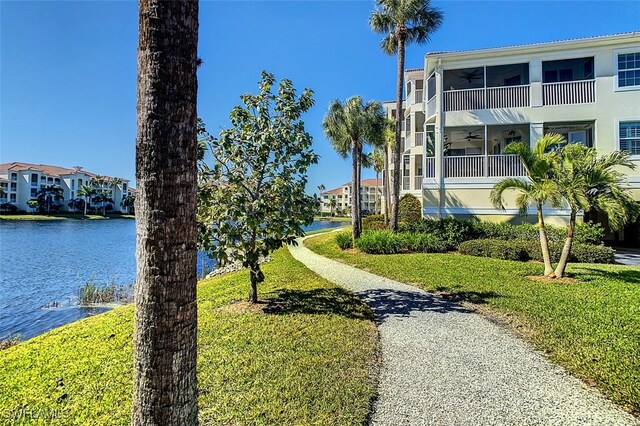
(349, 126)
(402, 22)
(332, 204)
(591, 182)
(33, 204)
(48, 195)
(252, 197)
(86, 191)
(103, 196)
(75, 204)
(128, 202)
(115, 184)
(538, 189)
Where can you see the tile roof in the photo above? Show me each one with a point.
(542, 43)
(47, 169)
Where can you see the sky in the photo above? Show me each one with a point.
(68, 69)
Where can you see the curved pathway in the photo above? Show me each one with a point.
(444, 365)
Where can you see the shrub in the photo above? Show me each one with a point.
(379, 242)
(409, 209)
(8, 207)
(498, 249)
(589, 233)
(422, 243)
(450, 230)
(373, 222)
(343, 240)
(589, 253)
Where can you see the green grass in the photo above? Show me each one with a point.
(63, 216)
(309, 363)
(591, 327)
(333, 218)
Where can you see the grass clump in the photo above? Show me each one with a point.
(589, 327)
(308, 361)
(344, 240)
(92, 292)
(10, 341)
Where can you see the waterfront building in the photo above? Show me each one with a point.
(370, 199)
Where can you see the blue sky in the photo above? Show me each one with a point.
(68, 69)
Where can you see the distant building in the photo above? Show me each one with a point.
(370, 200)
(22, 181)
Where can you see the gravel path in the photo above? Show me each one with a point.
(444, 365)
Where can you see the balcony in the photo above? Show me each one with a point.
(464, 166)
(430, 167)
(417, 183)
(420, 139)
(478, 166)
(406, 181)
(569, 92)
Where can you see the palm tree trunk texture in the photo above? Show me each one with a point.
(375, 196)
(359, 188)
(566, 250)
(385, 183)
(355, 223)
(544, 243)
(395, 189)
(165, 387)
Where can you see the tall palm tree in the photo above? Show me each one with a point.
(321, 188)
(588, 182)
(538, 189)
(389, 140)
(402, 22)
(115, 184)
(349, 126)
(165, 349)
(47, 195)
(332, 205)
(103, 196)
(378, 167)
(128, 202)
(87, 192)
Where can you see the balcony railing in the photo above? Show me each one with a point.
(508, 97)
(431, 107)
(406, 180)
(430, 167)
(462, 100)
(418, 96)
(506, 165)
(570, 92)
(417, 183)
(420, 139)
(464, 166)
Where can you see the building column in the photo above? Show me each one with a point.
(536, 131)
(535, 83)
(439, 139)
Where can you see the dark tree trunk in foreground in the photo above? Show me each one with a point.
(395, 188)
(165, 391)
(355, 208)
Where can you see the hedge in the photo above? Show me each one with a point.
(409, 209)
(374, 222)
(385, 242)
(530, 250)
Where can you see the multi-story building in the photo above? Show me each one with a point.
(22, 181)
(463, 108)
(370, 198)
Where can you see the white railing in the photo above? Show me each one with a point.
(570, 92)
(417, 183)
(505, 165)
(417, 96)
(464, 166)
(419, 138)
(406, 180)
(508, 97)
(463, 100)
(430, 167)
(431, 107)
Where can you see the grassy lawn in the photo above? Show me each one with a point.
(62, 216)
(309, 362)
(333, 218)
(592, 327)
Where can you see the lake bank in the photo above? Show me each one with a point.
(62, 216)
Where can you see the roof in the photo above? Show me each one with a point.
(48, 169)
(371, 182)
(547, 43)
(335, 191)
(413, 69)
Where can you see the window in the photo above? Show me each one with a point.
(34, 179)
(567, 70)
(13, 186)
(79, 183)
(629, 69)
(14, 176)
(12, 198)
(629, 137)
(73, 184)
(34, 192)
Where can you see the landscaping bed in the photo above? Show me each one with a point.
(590, 326)
(306, 357)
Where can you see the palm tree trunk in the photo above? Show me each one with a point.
(355, 234)
(375, 196)
(165, 387)
(385, 183)
(566, 250)
(395, 189)
(359, 188)
(544, 242)
(86, 202)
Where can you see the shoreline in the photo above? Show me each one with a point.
(49, 217)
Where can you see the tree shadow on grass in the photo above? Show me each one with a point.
(453, 294)
(590, 274)
(321, 301)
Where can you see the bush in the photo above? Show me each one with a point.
(344, 240)
(409, 209)
(373, 222)
(422, 243)
(530, 250)
(8, 207)
(379, 242)
(450, 230)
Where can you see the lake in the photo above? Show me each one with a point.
(43, 263)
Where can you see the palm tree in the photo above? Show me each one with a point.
(402, 22)
(47, 195)
(128, 202)
(115, 184)
(332, 205)
(165, 324)
(588, 182)
(321, 188)
(349, 127)
(539, 189)
(378, 167)
(103, 196)
(389, 140)
(87, 192)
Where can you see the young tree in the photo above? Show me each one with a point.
(402, 22)
(87, 192)
(588, 182)
(538, 189)
(349, 127)
(252, 198)
(165, 328)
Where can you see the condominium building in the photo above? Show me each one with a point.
(464, 107)
(338, 200)
(22, 181)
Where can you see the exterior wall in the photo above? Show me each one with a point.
(343, 199)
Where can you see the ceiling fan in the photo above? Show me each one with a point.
(470, 76)
(472, 136)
